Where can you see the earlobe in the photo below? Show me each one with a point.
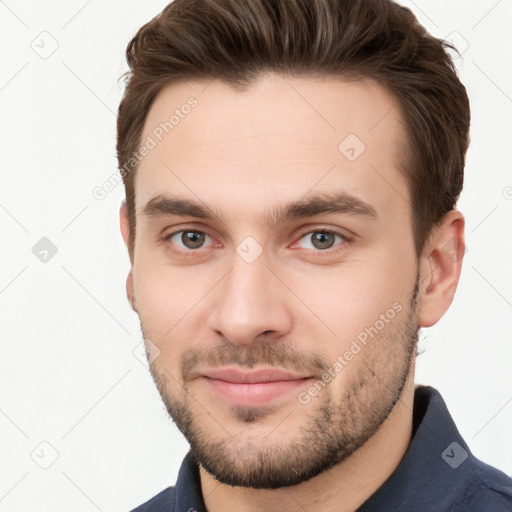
(442, 264)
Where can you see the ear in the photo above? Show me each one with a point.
(125, 232)
(123, 220)
(441, 264)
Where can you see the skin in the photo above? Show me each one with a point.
(296, 306)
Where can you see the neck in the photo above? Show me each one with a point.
(342, 488)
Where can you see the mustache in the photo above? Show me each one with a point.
(265, 354)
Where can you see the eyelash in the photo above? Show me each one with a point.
(341, 246)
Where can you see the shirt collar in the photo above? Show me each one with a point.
(437, 466)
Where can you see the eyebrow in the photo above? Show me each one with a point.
(342, 203)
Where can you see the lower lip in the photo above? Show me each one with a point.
(255, 394)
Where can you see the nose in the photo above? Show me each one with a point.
(250, 301)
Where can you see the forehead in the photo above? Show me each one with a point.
(276, 140)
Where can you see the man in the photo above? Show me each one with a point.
(292, 169)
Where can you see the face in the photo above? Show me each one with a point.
(274, 271)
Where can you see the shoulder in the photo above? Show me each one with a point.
(490, 490)
(163, 501)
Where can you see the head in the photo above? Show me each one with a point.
(291, 172)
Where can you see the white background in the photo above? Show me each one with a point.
(68, 371)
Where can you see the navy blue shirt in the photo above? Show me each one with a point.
(438, 473)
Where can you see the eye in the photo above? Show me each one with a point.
(321, 239)
(188, 239)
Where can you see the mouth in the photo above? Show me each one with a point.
(252, 388)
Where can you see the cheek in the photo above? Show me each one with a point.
(154, 297)
(343, 301)
(170, 300)
(161, 300)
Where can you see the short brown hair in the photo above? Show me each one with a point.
(236, 41)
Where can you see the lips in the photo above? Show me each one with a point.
(252, 377)
(252, 388)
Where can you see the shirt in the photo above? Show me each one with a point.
(437, 473)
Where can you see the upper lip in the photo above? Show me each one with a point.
(252, 376)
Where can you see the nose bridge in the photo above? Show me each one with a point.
(248, 302)
(248, 281)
